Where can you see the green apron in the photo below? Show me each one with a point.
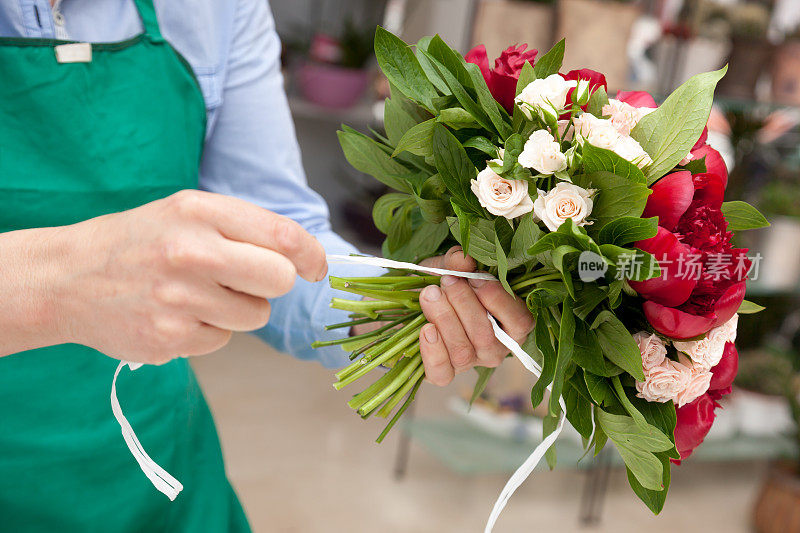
(78, 140)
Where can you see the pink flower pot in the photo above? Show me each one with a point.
(332, 86)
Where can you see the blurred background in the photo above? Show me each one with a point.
(303, 463)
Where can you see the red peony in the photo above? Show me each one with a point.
(725, 371)
(694, 422)
(637, 98)
(703, 275)
(502, 80)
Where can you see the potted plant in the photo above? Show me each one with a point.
(334, 74)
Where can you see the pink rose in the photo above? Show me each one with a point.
(663, 383)
(652, 348)
(697, 383)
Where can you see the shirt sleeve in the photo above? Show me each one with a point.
(252, 153)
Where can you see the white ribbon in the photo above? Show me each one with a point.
(160, 478)
(527, 361)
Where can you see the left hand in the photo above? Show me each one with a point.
(459, 335)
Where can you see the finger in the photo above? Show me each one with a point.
(439, 311)
(510, 312)
(234, 311)
(243, 221)
(455, 259)
(205, 339)
(489, 351)
(435, 358)
(252, 270)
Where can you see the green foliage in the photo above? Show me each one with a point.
(602, 160)
(668, 133)
(550, 63)
(741, 216)
(401, 68)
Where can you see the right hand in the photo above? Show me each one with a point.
(176, 276)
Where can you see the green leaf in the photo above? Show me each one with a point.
(396, 121)
(452, 60)
(482, 144)
(526, 76)
(588, 298)
(588, 354)
(457, 118)
(549, 425)
(602, 160)
(402, 69)
(496, 113)
(432, 205)
(384, 208)
(618, 344)
(564, 258)
(630, 263)
(455, 168)
(366, 155)
(565, 346)
(749, 308)
(579, 411)
(741, 216)
(697, 166)
(481, 239)
(483, 379)
(400, 230)
(428, 68)
(668, 133)
(545, 345)
(653, 499)
(597, 102)
(550, 63)
(600, 389)
(622, 396)
(426, 239)
(502, 265)
(463, 224)
(417, 140)
(616, 197)
(625, 230)
(526, 235)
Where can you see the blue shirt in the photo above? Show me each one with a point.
(251, 151)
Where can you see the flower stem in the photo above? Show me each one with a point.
(393, 386)
(363, 397)
(399, 413)
(375, 333)
(533, 281)
(386, 410)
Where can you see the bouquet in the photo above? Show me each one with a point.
(605, 215)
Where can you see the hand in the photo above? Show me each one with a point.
(460, 335)
(176, 276)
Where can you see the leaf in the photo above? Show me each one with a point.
(630, 263)
(396, 121)
(579, 411)
(400, 229)
(565, 336)
(526, 76)
(616, 197)
(653, 499)
(452, 60)
(741, 216)
(563, 262)
(749, 308)
(417, 140)
(482, 144)
(588, 354)
(457, 118)
(600, 389)
(455, 168)
(483, 379)
(545, 346)
(431, 200)
(622, 396)
(365, 155)
(526, 235)
(588, 298)
(384, 208)
(402, 69)
(668, 133)
(597, 102)
(696, 166)
(463, 224)
(625, 230)
(618, 344)
(481, 239)
(502, 265)
(428, 68)
(549, 425)
(602, 160)
(550, 63)
(496, 113)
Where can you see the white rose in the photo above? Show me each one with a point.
(501, 196)
(652, 348)
(725, 332)
(596, 131)
(564, 201)
(705, 352)
(547, 96)
(628, 148)
(542, 153)
(699, 379)
(624, 116)
(664, 382)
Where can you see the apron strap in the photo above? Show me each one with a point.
(147, 12)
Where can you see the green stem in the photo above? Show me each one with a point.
(386, 410)
(351, 323)
(368, 335)
(362, 397)
(399, 413)
(533, 281)
(364, 307)
(393, 386)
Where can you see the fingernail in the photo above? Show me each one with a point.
(446, 281)
(431, 335)
(477, 283)
(433, 293)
